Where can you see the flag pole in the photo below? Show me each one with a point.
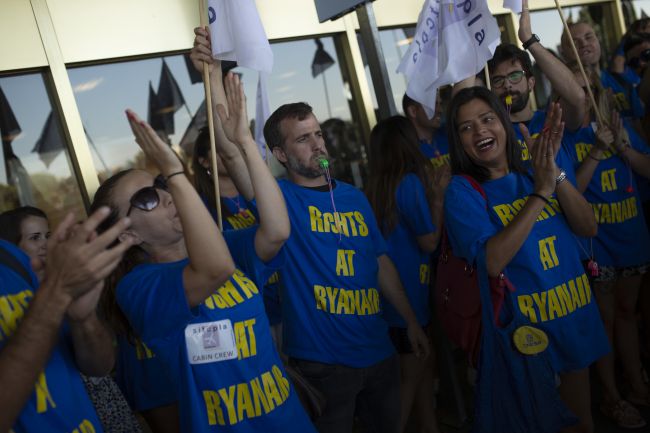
(203, 9)
(599, 117)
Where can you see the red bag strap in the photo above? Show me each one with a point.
(477, 186)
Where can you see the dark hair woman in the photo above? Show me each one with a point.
(28, 228)
(407, 196)
(524, 228)
(196, 302)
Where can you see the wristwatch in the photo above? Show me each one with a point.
(534, 38)
(560, 177)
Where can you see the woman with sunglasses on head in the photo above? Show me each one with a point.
(195, 302)
(523, 227)
(606, 158)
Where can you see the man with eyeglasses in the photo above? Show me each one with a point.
(512, 81)
(588, 46)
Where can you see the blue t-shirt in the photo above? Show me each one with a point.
(227, 373)
(622, 238)
(552, 290)
(142, 376)
(628, 98)
(243, 215)
(438, 150)
(535, 126)
(59, 402)
(331, 303)
(413, 264)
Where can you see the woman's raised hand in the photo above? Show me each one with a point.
(545, 149)
(154, 148)
(234, 119)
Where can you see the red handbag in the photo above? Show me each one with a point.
(458, 300)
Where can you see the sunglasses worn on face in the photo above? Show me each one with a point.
(147, 198)
(635, 62)
(514, 77)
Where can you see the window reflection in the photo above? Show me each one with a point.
(35, 167)
(103, 92)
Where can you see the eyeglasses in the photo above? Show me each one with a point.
(514, 77)
(147, 198)
(635, 62)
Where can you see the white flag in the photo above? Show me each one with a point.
(513, 5)
(237, 34)
(453, 40)
(262, 113)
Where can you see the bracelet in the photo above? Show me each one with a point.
(594, 158)
(534, 194)
(173, 174)
(560, 177)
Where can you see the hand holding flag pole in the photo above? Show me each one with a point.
(592, 99)
(203, 9)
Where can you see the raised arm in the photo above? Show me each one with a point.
(503, 246)
(274, 228)
(230, 153)
(584, 173)
(210, 264)
(561, 78)
(74, 266)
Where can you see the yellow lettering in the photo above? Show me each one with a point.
(363, 228)
(244, 402)
(541, 305)
(259, 398)
(504, 213)
(526, 307)
(554, 308)
(319, 294)
(271, 390)
(315, 219)
(547, 252)
(43, 396)
(608, 180)
(228, 398)
(213, 409)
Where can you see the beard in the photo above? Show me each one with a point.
(304, 170)
(519, 101)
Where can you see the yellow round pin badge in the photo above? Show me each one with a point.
(529, 340)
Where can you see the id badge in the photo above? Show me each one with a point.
(210, 342)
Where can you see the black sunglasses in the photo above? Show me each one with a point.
(635, 62)
(514, 77)
(147, 198)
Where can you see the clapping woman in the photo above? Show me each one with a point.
(525, 228)
(195, 300)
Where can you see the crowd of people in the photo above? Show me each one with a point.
(310, 308)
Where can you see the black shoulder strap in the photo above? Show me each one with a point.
(7, 259)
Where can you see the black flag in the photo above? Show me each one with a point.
(170, 98)
(195, 76)
(9, 126)
(17, 176)
(322, 60)
(199, 120)
(158, 121)
(49, 144)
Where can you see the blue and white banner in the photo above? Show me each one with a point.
(237, 34)
(262, 113)
(453, 40)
